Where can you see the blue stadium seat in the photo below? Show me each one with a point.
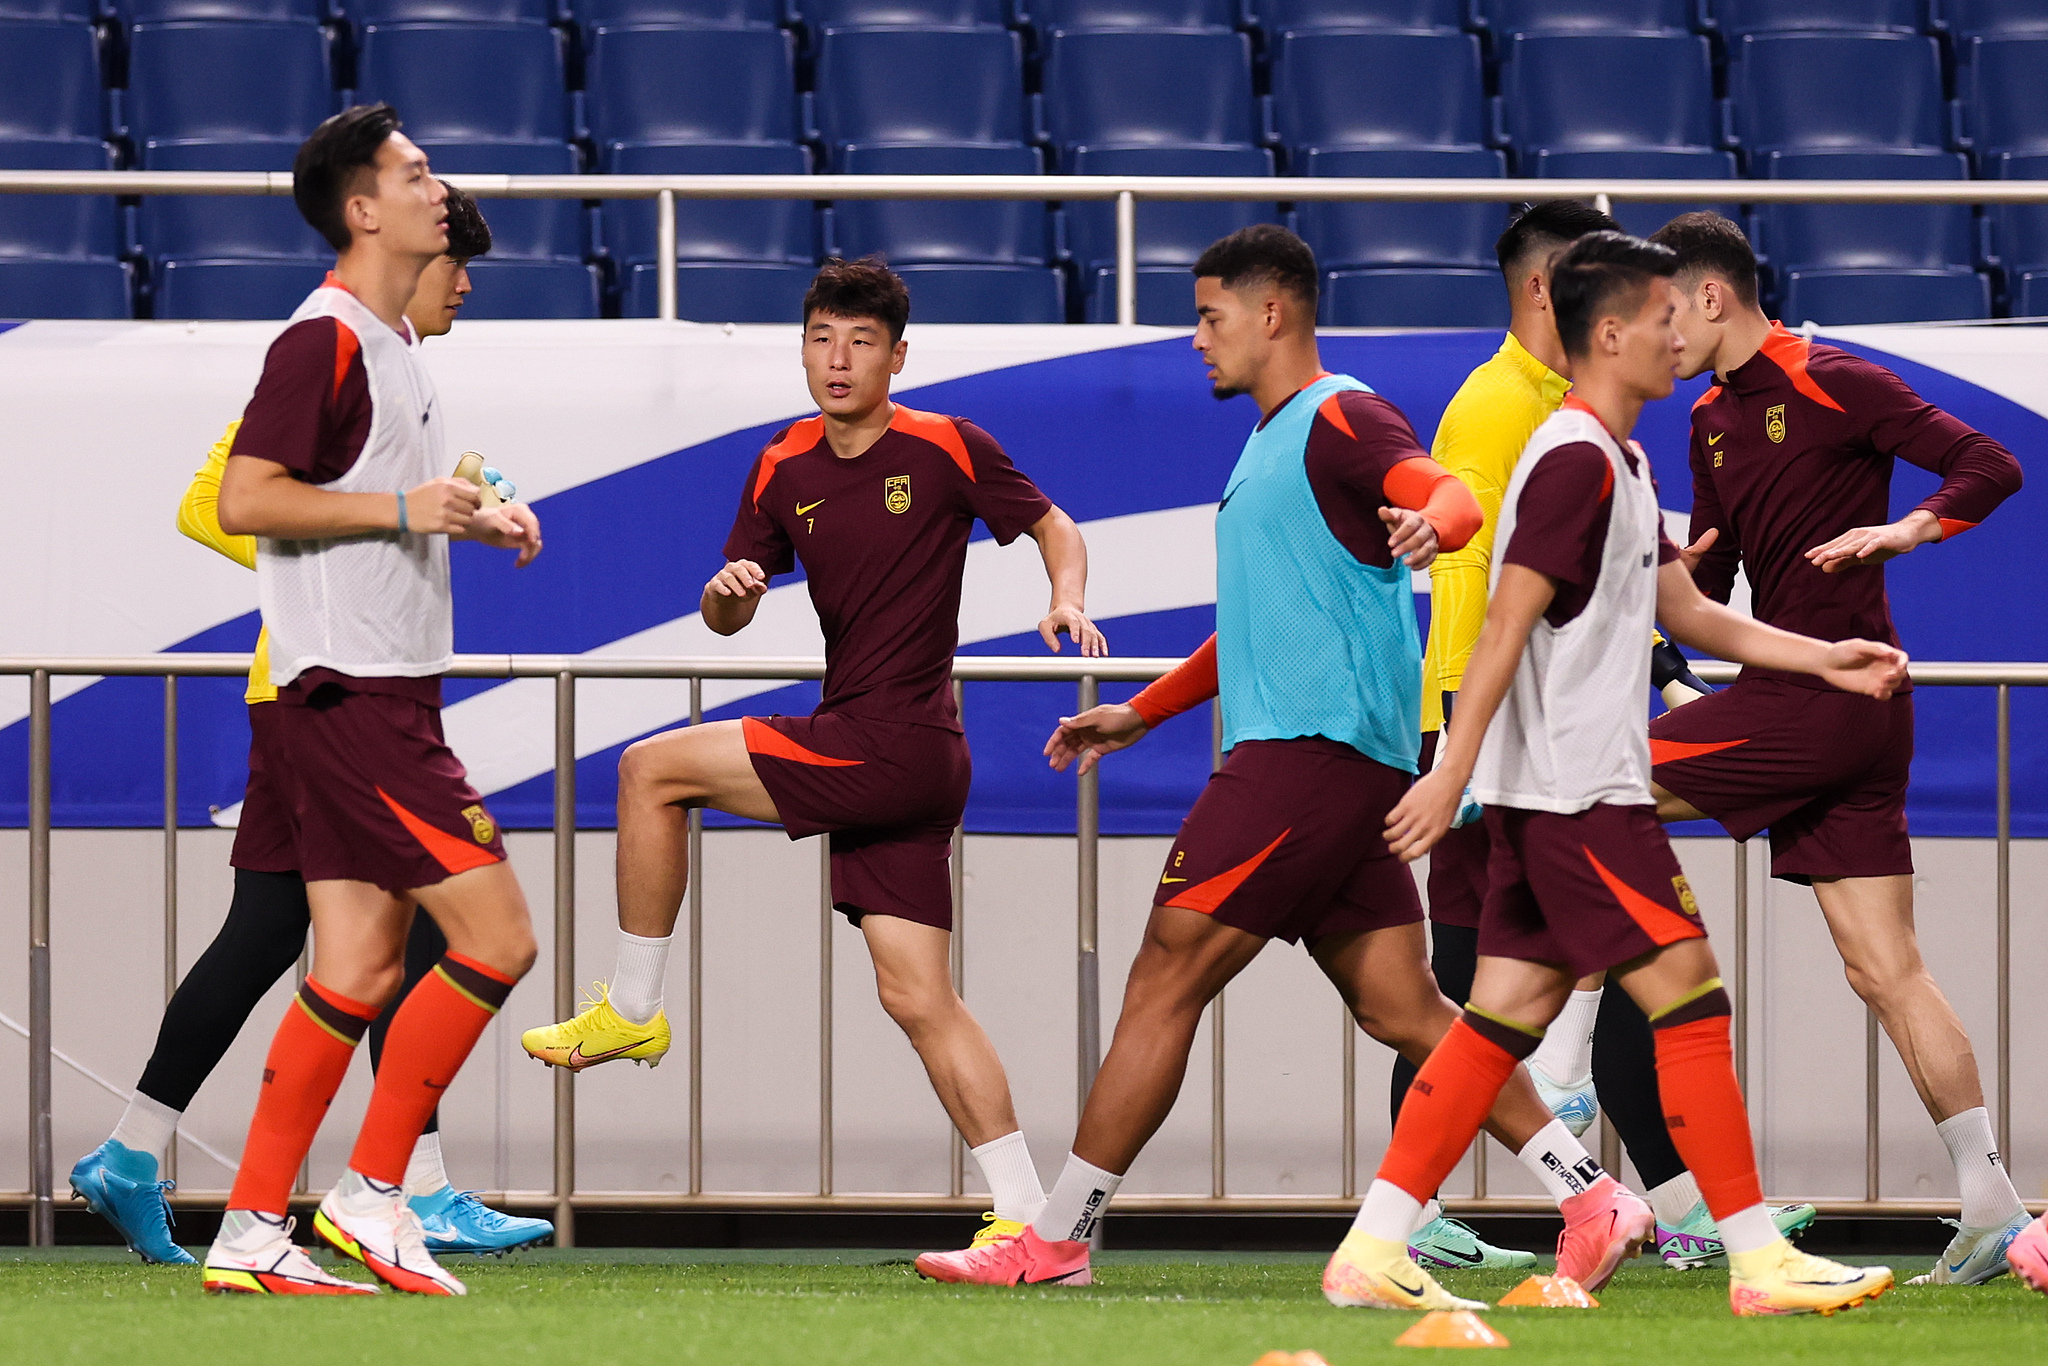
(1989, 18)
(823, 14)
(596, 14)
(1304, 16)
(233, 288)
(223, 81)
(2019, 240)
(50, 81)
(881, 86)
(1413, 298)
(2028, 298)
(468, 82)
(1675, 163)
(1169, 234)
(1580, 92)
(1865, 236)
(75, 226)
(2005, 98)
(1507, 17)
(1839, 298)
(768, 230)
(69, 11)
(387, 12)
(526, 229)
(1836, 92)
(273, 11)
(985, 294)
(231, 225)
(651, 84)
(1052, 16)
(722, 292)
(994, 232)
(32, 288)
(530, 289)
(1166, 296)
(1403, 234)
(1737, 17)
(1425, 90)
(1111, 89)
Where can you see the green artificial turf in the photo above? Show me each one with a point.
(624, 1308)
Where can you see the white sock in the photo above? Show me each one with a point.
(1674, 1199)
(246, 1230)
(1566, 1054)
(424, 1174)
(359, 1194)
(1388, 1212)
(1988, 1197)
(1078, 1199)
(1012, 1179)
(147, 1126)
(1748, 1230)
(636, 985)
(1560, 1162)
(1432, 1210)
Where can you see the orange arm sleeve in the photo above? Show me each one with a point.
(1422, 485)
(1188, 684)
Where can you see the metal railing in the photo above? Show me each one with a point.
(1125, 191)
(563, 1200)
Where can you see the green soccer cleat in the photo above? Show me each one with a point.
(1445, 1244)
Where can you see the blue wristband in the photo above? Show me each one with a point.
(402, 528)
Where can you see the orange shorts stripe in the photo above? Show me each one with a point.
(763, 738)
(1661, 923)
(1207, 896)
(457, 856)
(1671, 751)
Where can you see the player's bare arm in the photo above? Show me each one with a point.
(732, 596)
(1094, 733)
(1691, 618)
(1863, 546)
(1066, 565)
(262, 498)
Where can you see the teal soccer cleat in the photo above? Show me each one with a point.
(120, 1185)
(457, 1221)
(1696, 1241)
(1447, 1245)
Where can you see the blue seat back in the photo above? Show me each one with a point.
(691, 85)
(216, 81)
(722, 292)
(68, 11)
(822, 14)
(274, 11)
(596, 14)
(1846, 297)
(50, 80)
(985, 294)
(884, 86)
(234, 289)
(1298, 16)
(32, 288)
(1111, 89)
(1972, 18)
(227, 225)
(1587, 16)
(712, 230)
(1587, 92)
(1168, 234)
(388, 12)
(1677, 163)
(2006, 97)
(987, 232)
(1737, 17)
(1836, 91)
(521, 229)
(1402, 234)
(1424, 90)
(531, 289)
(1865, 236)
(1413, 298)
(58, 224)
(468, 82)
(1048, 16)
(2020, 231)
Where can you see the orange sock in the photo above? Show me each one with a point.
(1449, 1099)
(1703, 1106)
(308, 1058)
(430, 1036)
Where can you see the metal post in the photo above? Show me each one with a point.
(170, 1164)
(696, 968)
(1126, 258)
(1603, 204)
(824, 1014)
(2005, 921)
(665, 247)
(42, 1215)
(1218, 1149)
(1872, 1171)
(1088, 1011)
(565, 951)
(956, 1175)
(1350, 1154)
(1742, 967)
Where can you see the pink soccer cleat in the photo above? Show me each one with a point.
(1018, 1259)
(2028, 1255)
(1602, 1229)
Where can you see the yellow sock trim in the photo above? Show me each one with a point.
(1710, 985)
(1533, 1031)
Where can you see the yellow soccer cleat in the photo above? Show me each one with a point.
(993, 1228)
(1780, 1279)
(599, 1034)
(1373, 1273)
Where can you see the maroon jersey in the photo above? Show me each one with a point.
(1561, 520)
(1359, 449)
(311, 409)
(1795, 447)
(883, 539)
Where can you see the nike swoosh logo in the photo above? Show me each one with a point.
(1452, 1254)
(1414, 1290)
(802, 508)
(1163, 881)
(1716, 438)
(577, 1055)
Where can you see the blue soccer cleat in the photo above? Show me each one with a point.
(120, 1185)
(457, 1221)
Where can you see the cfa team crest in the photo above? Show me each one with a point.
(1774, 423)
(896, 493)
(1685, 897)
(480, 823)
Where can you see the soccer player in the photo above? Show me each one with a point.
(265, 930)
(1480, 438)
(1791, 455)
(1331, 506)
(876, 500)
(1582, 877)
(336, 471)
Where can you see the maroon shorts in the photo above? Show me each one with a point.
(1457, 864)
(263, 837)
(889, 795)
(374, 792)
(1591, 890)
(1824, 771)
(1288, 841)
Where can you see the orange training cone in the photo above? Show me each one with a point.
(1549, 1292)
(1456, 1328)
(1291, 1359)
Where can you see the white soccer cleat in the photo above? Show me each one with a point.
(1576, 1103)
(263, 1260)
(1974, 1255)
(372, 1222)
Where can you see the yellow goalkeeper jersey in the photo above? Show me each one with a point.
(1480, 439)
(199, 518)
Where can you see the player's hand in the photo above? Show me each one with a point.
(1072, 621)
(1094, 733)
(1865, 666)
(1691, 555)
(509, 526)
(739, 579)
(1424, 814)
(1410, 537)
(1863, 546)
(442, 506)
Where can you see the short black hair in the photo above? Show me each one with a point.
(1544, 227)
(469, 236)
(866, 288)
(1264, 253)
(1593, 275)
(1708, 244)
(330, 164)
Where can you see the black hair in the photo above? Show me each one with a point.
(1264, 253)
(331, 163)
(1708, 244)
(469, 236)
(866, 288)
(1544, 227)
(1591, 277)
